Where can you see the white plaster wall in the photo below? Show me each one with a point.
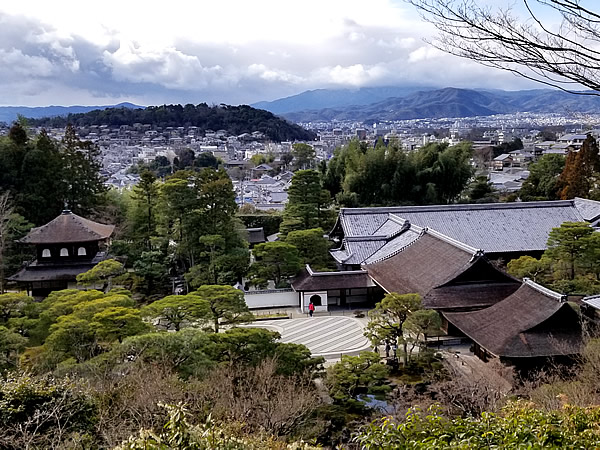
(270, 299)
(306, 301)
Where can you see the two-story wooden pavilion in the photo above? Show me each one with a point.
(65, 247)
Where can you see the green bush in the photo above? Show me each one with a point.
(520, 425)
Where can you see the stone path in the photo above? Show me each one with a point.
(329, 337)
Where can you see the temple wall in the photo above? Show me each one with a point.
(273, 298)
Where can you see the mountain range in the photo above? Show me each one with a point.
(336, 98)
(9, 114)
(428, 103)
(370, 104)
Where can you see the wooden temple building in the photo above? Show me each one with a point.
(530, 325)
(331, 290)
(449, 255)
(64, 247)
(449, 275)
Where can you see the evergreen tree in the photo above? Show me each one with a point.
(567, 245)
(304, 156)
(145, 194)
(312, 246)
(275, 261)
(304, 197)
(543, 180)
(84, 186)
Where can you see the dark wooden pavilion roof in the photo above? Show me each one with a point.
(468, 296)
(428, 262)
(68, 227)
(532, 322)
(308, 280)
(49, 273)
(256, 235)
(448, 274)
(55, 271)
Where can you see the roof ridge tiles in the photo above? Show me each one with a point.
(377, 237)
(313, 273)
(417, 229)
(461, 245)
(544, 290)
(399, 220)
(458, 207)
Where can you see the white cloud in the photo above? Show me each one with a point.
(268, 74)
(15, 62)
(355, 75)
(168, 66)
(424, 53)
(231, 51)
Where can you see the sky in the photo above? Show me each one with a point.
(225, 51)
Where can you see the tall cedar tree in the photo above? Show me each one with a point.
(304, 200)
(81, 173)
(577, 178)
(146, 195)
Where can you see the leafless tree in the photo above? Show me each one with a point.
(461, 393)
(129, 401)
(565, 56)
(259, 398)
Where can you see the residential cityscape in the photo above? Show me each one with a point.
(265, 184)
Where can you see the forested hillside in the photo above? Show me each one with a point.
(235, 119)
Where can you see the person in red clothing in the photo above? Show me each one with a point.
(311, 308)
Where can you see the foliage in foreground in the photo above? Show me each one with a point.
(179, 433)
(38, 412)
(519, 425)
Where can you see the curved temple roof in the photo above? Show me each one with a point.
(68, 227)
(534, 321)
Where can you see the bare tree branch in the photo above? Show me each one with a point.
(566, 58)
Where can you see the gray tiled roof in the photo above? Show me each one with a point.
(494, 227)
(362, 224)
(593, 301)
(589, 209)
(394, 246)
(355, 252)
(388, 228)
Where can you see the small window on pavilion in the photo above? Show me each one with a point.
(46, 253)
(81, 251)
(64, 252)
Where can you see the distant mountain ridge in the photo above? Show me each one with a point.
(334, 98)
(9, 114)
(449, 102)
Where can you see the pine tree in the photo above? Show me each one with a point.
(304, 198)
(146, 196)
